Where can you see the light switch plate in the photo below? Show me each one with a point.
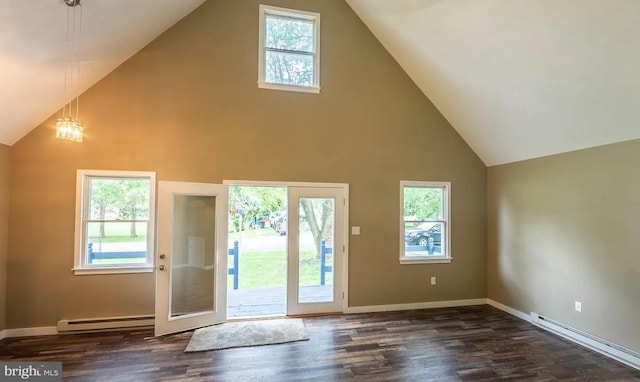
(355, 230)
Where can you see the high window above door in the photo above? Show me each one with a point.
(289, 51)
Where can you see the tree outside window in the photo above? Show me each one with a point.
(115, 219)
(289, 49)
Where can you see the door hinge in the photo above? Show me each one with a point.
(343, 248)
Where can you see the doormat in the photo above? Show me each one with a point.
(247, 333)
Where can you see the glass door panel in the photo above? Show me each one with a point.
(315, 250)
(191, 272)
(193, 254)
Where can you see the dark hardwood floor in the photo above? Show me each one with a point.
(476, 343)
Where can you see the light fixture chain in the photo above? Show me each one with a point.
(68, 127)
(74, 64)
(78, 63)
(67, 63)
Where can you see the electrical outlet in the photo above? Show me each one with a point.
(433, 280)
(578, 306)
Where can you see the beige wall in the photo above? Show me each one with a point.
(5, 175)
(565, 228)
(187, 106)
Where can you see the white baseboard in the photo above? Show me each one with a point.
(412, 306)
(597, 344)
(606, 348)
(611, 350)
(510, 310)
(29, 332)
(82, 325)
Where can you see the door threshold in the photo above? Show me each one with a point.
(309, 315)
(257, 318)
(280, 316)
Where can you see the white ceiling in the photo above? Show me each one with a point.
(32, 50)
(518, 79)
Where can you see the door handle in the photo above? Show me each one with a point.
(162, 267)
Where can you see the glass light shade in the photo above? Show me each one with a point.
(69, 129)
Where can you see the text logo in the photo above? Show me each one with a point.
(30, 371)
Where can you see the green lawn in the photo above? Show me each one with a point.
(118, 261)
(257, 269)
(118, 232)
(252, 233)
(121, 233)
(269, 269)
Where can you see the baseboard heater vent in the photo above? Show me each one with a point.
(617, 352)
(107, 323)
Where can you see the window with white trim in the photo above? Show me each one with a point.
(425, 227)
(115, 221)
(289, 51)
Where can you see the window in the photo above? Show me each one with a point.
(114, 222)
(425, 233)
(289, 57)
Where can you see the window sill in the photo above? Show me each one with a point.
(112, 270)
(291, 88)
(425, 260)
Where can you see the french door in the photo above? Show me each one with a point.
(191, 274)
(315, 237)
(191, 283)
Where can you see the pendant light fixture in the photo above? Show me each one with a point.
(68, 126)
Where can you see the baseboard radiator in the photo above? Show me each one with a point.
(609, 349)
(103, 324)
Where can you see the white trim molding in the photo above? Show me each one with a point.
(294, 184)
(444, 220)
(82, 221)
(291, 15)
(31, 332)
(600, 345)
(508, 309)
(415, 305)
(597, 344)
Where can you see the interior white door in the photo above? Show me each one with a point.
(317, 246)
(191, 271)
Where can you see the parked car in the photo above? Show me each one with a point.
(281, 226)
(278, 221)
(420, 235)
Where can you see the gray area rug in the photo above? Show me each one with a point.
(247, 333)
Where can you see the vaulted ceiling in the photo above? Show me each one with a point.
(518, 79)
(32, 51)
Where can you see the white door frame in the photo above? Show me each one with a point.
(294, 306)
(164, 323)
(345, 188)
